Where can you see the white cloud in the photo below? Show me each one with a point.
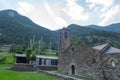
(42, 14)
(111, 16)
(104, 3)
(106, 10)
(49, 9)
(60, 22)
(25, 8)
(56, 15)
(75, 11)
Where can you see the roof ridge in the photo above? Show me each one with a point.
(107, 46)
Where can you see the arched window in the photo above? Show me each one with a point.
(113, 63)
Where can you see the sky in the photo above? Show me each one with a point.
(56, 14)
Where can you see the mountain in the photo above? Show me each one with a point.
(18, 29)
(113, 27)
(92, 37)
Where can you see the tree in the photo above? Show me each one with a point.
(28, 54)
(32, 43)
(17, 49)
(33, 56)
(75, 40)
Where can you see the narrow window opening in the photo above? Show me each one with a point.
(73, 49)
(113, 63)
(94, 60)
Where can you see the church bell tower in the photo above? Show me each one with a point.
(64, 40)
(64, 43)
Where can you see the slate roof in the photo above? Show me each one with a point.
(107, 48)
(100, 47)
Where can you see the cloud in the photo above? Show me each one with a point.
(106, 10)
(57, 15)
(49, 9)
(42, 14)
(25, 8)
(59, 22)
(75, 11)
(102, 3)
(111, 16)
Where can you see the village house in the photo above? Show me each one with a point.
(100, 62)
(5, 48)
(41, 62)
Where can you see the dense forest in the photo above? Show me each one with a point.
(92, 37)
(115, 27)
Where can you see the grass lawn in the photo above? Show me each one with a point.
(9, 57)
(16, 75)
(6, 54)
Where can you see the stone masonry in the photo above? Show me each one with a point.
(86, 61)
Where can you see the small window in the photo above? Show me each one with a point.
(113, 63)
(44, 61)
(40, 61)
(94, 60)
(72, 49)
(54, 62)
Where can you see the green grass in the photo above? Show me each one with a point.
(6, 54)
(16, 75)
(9, 57)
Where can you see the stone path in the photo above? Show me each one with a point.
(61, 76)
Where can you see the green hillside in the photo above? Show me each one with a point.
(93, 37)
(18, 29)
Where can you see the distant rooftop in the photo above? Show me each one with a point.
(6, 48)
(107, 48)
(100, 47)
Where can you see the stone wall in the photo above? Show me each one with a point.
(83, 58)
(48, 67)
(89, 63)
(28, 67)
(23, 67)
(111, 72)
(85, 61)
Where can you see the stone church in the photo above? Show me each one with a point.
(101, 62)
